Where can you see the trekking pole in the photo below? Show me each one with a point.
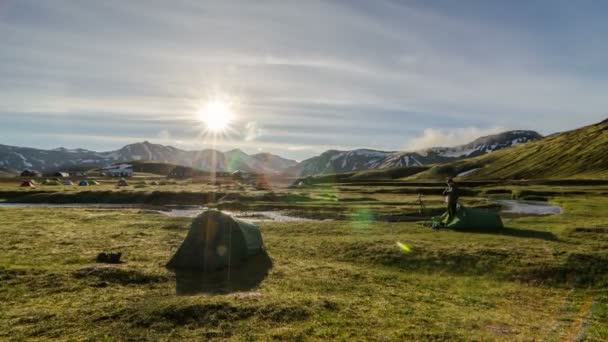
(422, 210)
(421, 204)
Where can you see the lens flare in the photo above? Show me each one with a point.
(404, 248)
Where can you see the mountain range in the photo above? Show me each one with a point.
(19, 158)
(332, 161)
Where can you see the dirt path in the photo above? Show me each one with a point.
(576, 332)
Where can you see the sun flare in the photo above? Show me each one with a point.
(216, 115)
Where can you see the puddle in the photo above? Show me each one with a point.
(529, 207)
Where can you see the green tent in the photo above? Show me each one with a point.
(215, 241)
(470, 219)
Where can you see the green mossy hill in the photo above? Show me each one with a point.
(579, 153)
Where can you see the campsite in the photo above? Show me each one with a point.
(333, 271)
(241, 170)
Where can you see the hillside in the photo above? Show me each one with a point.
(580, 153)
(333, 161)
(166, 169)
(4, 172)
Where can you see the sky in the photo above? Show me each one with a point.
(300, 77)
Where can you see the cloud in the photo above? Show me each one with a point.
(252, 131)
(164, 135)
(432, 137)
(364, 74)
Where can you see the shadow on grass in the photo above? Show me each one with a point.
(517, 232)
(244, 277)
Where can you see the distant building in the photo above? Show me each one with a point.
(31, 173)
(121, 170)
(181, 172)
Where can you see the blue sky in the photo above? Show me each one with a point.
(302, 76)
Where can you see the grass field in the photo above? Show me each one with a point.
(541, 278)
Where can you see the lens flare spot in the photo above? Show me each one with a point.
(404, 248)
(221, 250)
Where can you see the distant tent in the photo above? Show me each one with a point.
(93, 182)
(61, 174)
(474, 219)
(122, 182)
(83, 183)
(153, 183)
(51, 182)
(27, 184)
(68, 182)
(215, 241)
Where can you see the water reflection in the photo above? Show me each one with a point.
(529, 207)
(244, 277)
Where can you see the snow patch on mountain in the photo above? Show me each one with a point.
(462, 174)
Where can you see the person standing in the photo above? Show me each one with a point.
(451, 198)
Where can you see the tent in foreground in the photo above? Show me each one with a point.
(470, 219)
(215, 241)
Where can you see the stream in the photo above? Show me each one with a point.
(508, 207)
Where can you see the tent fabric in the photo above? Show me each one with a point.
(83, 183)
(93, 182)
(122, 182)
(51, 182)
(68, 182)
(216, 241)
(27, 184)
(470, 219)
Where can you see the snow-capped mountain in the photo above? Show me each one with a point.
(333, 161)
(20, 158)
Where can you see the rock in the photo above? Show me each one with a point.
(109, 257)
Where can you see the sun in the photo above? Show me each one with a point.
(216, 115)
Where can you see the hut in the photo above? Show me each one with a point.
(31, 173)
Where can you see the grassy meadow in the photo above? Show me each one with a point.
(540, 278)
